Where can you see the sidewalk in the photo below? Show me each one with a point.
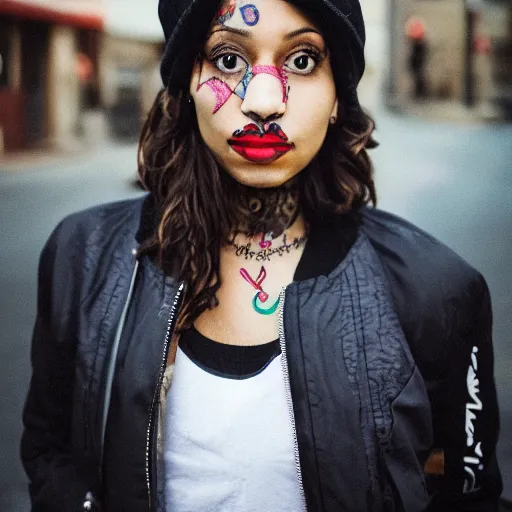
(35, 159)
(20, 161)
(94, 137)
(448, 111)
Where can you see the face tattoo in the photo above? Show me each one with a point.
(226, 71)
(223, 91)
(249, 12)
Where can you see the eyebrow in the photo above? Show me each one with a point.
(246, 33)
(238, 31)
(301, 31)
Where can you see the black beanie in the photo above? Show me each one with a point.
(186, 23)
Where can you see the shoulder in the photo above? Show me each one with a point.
(78, 241)
(98, 224)
(411, 252)
(436, 293)
(107, 218)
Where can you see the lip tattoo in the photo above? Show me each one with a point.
(261, 145)
(261, 297)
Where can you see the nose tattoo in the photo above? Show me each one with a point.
(275, 72)
(223, 91)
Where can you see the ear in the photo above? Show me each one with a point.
(334, 112)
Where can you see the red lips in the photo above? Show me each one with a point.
(260, 145)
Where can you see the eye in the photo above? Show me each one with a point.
(230, 63)
(301, 63)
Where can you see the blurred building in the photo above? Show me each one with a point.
(75, 70)
(130, 56)
(460, 49)
(40, 90)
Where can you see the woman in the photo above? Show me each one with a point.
(251, 335)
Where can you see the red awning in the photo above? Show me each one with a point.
(90, 21)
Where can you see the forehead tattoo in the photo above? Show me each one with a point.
(249, 12)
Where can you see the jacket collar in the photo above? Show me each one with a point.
(330, 240)
(148, 223)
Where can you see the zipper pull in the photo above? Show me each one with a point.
(90, 503)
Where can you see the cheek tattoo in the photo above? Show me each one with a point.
(220, 89)
(241, 88)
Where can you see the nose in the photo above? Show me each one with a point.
(264, 99)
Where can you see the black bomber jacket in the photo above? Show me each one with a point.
(387, 338)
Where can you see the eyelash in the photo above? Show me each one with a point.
(313, 52)
(222, 50)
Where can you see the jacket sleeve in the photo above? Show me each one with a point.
(45, 446)
(465, 417)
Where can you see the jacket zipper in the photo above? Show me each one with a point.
(288, 392)
(154, 403)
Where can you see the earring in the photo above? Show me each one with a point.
(333, 120)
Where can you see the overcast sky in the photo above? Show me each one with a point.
(130, 18)
(133, 18)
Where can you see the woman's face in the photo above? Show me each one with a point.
(263, 91)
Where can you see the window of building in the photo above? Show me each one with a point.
(5, 53)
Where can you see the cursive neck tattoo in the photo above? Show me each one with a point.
(264, 255)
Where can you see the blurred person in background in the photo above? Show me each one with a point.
(418, 52)
(253, 335)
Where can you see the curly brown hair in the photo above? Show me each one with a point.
(200, 206)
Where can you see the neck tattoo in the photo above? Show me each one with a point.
(261, 297)
(266, 250)
(270, 211)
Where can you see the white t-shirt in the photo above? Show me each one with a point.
(228, 442)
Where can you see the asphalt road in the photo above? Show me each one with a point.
(453, 181)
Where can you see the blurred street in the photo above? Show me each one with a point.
(453, 181)
(75, 78)
(32, 202)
